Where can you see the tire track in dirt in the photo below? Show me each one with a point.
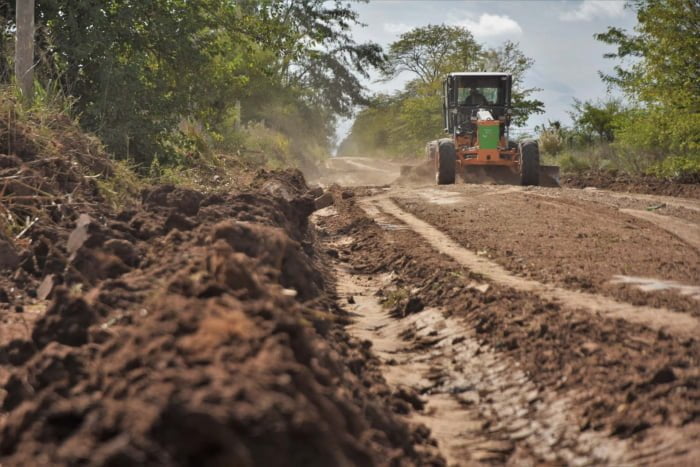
(686, 231)
(467, 343)
(689, 204)
(479, 406)
(679, 324)
(674, 224)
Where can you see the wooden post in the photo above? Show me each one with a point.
(24, 47)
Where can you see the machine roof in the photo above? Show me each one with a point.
(479, 73)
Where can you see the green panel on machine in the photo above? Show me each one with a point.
(489, 136)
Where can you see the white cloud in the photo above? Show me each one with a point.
(397, 28)
(490, 25)
(590, 9)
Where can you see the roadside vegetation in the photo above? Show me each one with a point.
(168, 85)
(183, 91)
(655, 128)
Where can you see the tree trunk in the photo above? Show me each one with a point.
(24, 47)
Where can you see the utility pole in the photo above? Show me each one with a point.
(24, 47)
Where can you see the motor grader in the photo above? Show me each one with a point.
(477, 113)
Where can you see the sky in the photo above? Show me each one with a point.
(557, 34)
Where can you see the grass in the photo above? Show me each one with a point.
(395, 297)
(603, 157)
(123, 187)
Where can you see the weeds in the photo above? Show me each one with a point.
(395, 297)
(685, 169)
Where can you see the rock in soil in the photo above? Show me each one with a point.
(324, 201)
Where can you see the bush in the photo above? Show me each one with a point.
(550, 141)
(684, 169)
(574, 164)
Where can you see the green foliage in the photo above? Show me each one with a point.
(657, 130)
(123, 187)
(597, 121)
(264, 146)
(663, 78)
(46, 130)
(680, 168)
(510, 59)
(432, 51)
(570, 163)
(373, 131)
(139, 69)
(551, 138)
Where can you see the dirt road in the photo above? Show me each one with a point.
(404, 324)
(358, 171)
(538, 325)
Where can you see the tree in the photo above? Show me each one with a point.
(7, 42)
(138, 69)
(407, 120)
(24, 47)
(510, 59)
(663, 76)
(314, 49)
(598, 120)
(666, 47)
(431, 51)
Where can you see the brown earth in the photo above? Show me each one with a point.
(399, 325)
(190, 329)
(622, 380)
(635, 184)
(553, 237)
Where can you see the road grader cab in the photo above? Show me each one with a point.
(477, 114)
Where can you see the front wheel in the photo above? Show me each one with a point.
(447, 163)
(529, 163)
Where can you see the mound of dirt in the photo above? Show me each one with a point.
(48, 179)
(193, 329)
(633, 184)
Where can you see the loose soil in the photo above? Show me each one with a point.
(191, 329)
(633, 184)
(608, 377)
(236, 328)
(576, 244)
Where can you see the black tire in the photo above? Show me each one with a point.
(447, 163)
(529, 163)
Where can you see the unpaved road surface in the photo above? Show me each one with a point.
(536, 325)
(358, 171)
(404, 324)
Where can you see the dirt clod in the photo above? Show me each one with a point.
(663, 376)
(9, 259)
(324, 201)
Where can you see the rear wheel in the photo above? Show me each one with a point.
(529, 163)
(447, 163)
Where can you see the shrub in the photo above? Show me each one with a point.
(551, 141)
(572, 163)
(684, 169)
